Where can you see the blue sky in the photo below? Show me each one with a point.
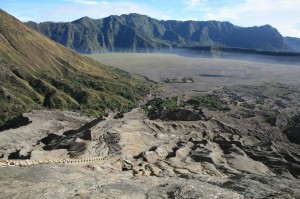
(281, 14)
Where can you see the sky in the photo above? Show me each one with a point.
(284, 15)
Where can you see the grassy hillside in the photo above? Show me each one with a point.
(37, 73)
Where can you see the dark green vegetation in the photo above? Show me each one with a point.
(174, 109)
(37, 73)
(154, 107)
(139, 33)
(210, 102)
(167, 109)
(169, 104)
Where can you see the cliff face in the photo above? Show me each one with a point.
(138, 33)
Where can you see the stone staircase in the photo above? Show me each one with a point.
(24, 163)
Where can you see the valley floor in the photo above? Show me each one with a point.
(208, 73)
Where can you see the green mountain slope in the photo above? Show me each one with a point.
(37, 73)
(139, 33)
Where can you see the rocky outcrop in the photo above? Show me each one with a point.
(15, 123)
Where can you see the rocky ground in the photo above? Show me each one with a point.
(248, 147)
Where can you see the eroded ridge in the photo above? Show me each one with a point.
(24, 163)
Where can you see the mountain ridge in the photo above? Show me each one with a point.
(140, 33)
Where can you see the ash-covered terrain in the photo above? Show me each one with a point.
(233, 142)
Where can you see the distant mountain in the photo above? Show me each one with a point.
(136, 32)
(37, 73)
(293, 42)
